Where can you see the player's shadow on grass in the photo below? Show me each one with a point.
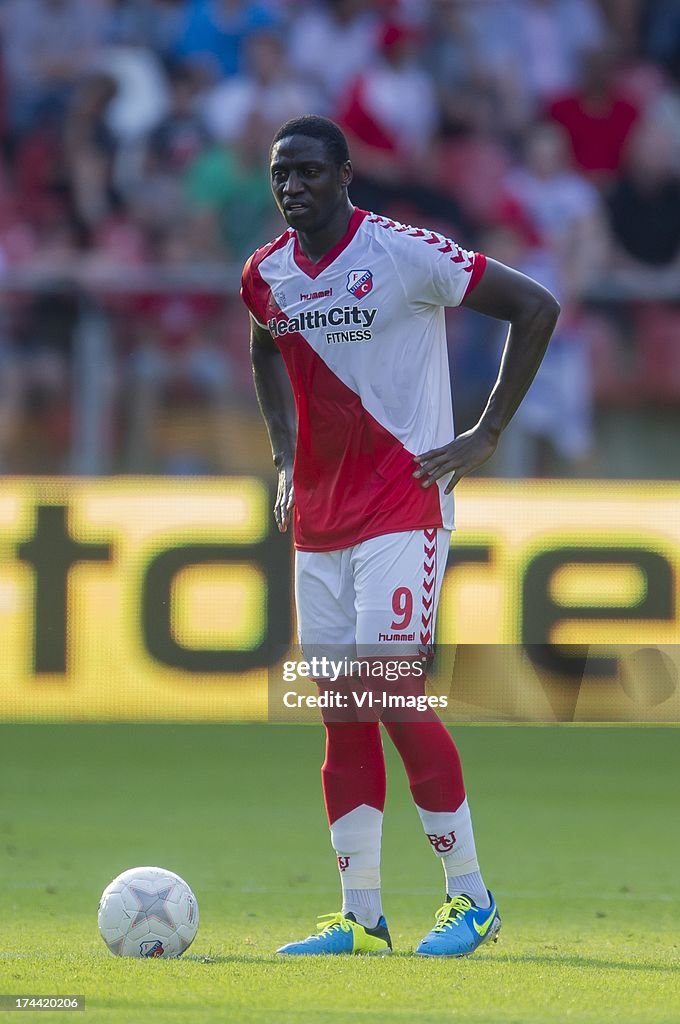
(273, 957)
(569, 960)
(573, 960)
(235, 958)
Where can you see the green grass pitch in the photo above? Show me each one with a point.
(577, 828)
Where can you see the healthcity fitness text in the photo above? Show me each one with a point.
(365, 683)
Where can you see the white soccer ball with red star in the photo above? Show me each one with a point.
(148, 912)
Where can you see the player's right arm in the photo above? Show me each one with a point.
(274, 397)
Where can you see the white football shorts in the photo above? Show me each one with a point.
(379, 597)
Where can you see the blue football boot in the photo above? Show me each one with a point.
(461, 927)
(341, 934)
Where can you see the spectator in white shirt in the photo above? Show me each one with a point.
(268, 94)
(331, 43)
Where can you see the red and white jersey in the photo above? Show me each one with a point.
(363, 337)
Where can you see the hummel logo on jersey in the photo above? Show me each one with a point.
(359, 283)
(310, 296)
(336, 316)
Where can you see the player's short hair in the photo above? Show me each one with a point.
(316, 127)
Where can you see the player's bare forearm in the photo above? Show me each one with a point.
(272, 388)
(532, 313)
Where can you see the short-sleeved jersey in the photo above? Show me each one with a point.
(363, 337)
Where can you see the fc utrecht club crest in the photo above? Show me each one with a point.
(151, 948)
(359, 283)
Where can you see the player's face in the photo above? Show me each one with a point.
(308, 186)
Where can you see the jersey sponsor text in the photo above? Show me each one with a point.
(309, 320)
(345, 337)
(371, 391)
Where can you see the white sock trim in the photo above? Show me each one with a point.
(451, 837)
(365, 904)
(357, 841)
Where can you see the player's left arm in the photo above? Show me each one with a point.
(532, 312)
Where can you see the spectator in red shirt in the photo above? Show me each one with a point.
(597, 118)
(390, 111)
(390, 115)
(178, 349)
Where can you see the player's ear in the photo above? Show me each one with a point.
(346, 173)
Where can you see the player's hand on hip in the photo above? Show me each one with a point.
(285, 497)
(469, 451)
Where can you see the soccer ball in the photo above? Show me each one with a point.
(148, 912)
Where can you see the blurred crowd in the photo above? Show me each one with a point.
(134, 173)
